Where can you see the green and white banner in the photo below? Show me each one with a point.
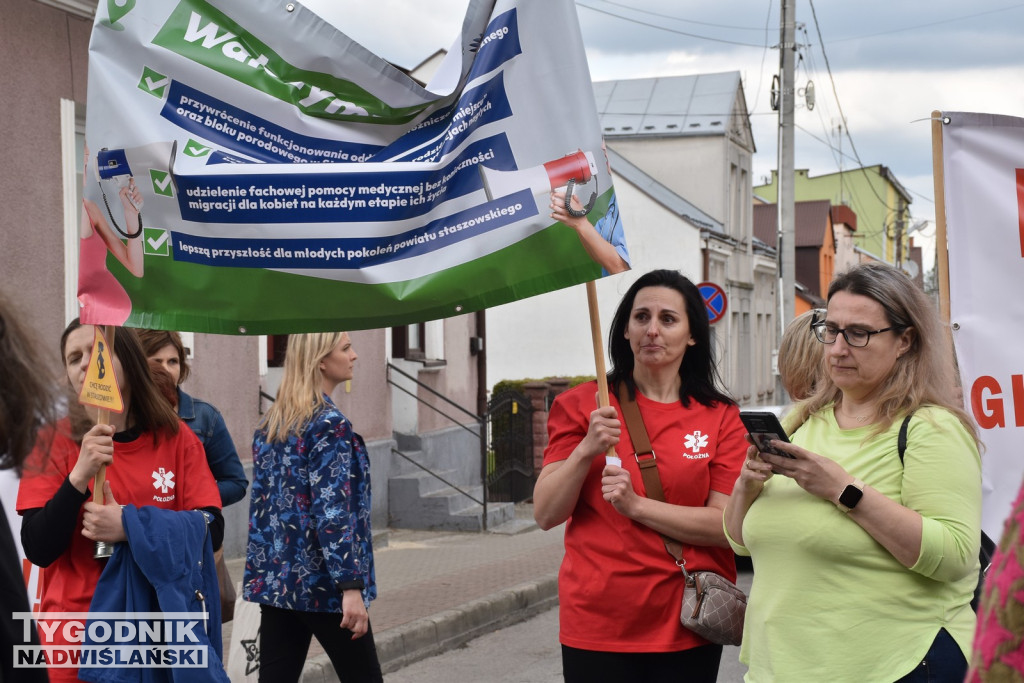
(253, 170)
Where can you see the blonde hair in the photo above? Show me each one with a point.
(800, 357)
(300, 395)
(924, 375)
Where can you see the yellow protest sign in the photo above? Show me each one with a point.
(100, 387)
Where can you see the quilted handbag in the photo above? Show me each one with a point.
(713, 607)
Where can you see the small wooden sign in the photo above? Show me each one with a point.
(100, 387)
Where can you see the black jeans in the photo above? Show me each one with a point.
(944, 663)
(696, 665)
(284, 643)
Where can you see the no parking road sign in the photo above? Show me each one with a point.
(714, 300)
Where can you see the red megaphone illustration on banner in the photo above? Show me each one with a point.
(573, 169)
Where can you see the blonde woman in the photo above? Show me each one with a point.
(800, 355)
(310, 552)
(858, 550)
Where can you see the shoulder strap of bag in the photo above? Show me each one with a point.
(901, 441)
(648, 465)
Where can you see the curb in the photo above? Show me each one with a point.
(402, 645)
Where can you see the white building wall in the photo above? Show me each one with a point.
(846, 255)
(549, 335)
(692, 167)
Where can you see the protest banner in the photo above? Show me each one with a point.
(980, 174)
(270, 175)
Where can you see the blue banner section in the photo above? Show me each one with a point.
(341, 197)
(354, 252)
(243, 131)
(448, 129)
(218, 157)
(498, 44)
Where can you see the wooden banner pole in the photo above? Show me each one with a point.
(941, 249)
(103, 417)
(595, 335)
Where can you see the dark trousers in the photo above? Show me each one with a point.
(284, 643)
(696, 665)
(944, 663)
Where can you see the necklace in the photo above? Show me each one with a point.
(859, 418)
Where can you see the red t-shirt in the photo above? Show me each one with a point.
(171, 473)
(618, 588)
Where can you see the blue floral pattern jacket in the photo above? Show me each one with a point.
(309, 517)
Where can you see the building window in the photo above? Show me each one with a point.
(420, 342)
(277, 346)
(409, 342)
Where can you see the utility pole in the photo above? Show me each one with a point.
(786, 195)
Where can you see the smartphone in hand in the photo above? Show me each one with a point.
(763, 427)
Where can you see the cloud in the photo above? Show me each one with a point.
(402, 32)
(893, 63)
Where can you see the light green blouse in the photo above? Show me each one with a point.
(828, 602)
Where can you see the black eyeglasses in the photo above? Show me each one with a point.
(827, 333)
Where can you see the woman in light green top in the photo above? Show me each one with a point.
(864, 566)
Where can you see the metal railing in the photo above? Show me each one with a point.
(265, 395)
(480, 421)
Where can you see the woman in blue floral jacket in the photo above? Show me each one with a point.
(310, 554)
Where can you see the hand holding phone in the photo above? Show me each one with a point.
(763, 427)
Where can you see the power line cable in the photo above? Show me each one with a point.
(839, 104)
(928, 199)
(822, 106)
(687, 21)
(933, 23)
(670, 30)
(764, 53)
(827, 143)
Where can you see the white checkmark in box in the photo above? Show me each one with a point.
(157, 242)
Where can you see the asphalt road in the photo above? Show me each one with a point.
(527, 652)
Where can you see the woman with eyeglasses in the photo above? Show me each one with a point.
(865, 554)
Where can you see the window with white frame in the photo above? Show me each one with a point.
(421, 342)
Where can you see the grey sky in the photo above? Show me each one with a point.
(892, 62)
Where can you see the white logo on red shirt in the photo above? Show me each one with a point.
(696, 441)
(163, 480)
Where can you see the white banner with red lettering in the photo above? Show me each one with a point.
(983, 161)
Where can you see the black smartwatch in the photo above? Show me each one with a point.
(851, 495)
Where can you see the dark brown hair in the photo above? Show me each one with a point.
(698, 371)
(29, 394)
(164, 383)
(147, 409)
(154, 340)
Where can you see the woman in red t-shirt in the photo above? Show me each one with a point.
(619, 590)
(150, 461)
